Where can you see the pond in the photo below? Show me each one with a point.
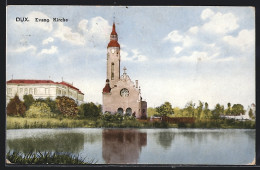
(141, 146)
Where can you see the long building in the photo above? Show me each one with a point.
(42, 89)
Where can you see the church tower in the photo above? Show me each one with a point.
(113, 58)
(120, 94)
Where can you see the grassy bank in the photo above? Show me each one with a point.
(45, 158)
(29, 123)
(220, 123)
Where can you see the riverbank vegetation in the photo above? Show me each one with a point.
(65, 113)
(46, 158)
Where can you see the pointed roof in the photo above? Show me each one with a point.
(113, 43)
(114, 29)
(107, 88)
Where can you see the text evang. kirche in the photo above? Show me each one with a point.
(26, 19)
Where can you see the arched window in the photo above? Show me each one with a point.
(112, 71)
(120, 110)
(128, 111)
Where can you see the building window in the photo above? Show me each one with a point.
(21, 90)
(112, 71)
(59, 92)
(30, 91)
(35, 90)
(25, 91)
(46, 91)
(9, 90)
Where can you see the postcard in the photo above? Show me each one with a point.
(130, 85)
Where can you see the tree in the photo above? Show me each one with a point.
(38, 110)
(199, 109)
(237, 109)
(52, 104)
(189, 109)
(165, 109)
(67, 106)
(16, 107)
(219, 109)
(251, 115)
(28, 100)
(228, 111)
(151, 111)
(206, 111)
(89, 110)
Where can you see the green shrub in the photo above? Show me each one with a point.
(38, 109)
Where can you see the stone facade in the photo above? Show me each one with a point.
(42, 89)
(120, 94)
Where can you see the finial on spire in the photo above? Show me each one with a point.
(124, 70)
(114, 18)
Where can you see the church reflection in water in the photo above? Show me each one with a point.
(122, 146)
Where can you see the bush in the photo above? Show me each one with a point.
(38, 109)
(89, 110)
(28, 101)
(16, 107)
(67, 106)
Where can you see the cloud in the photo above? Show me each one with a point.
(47, 26)
(174, 36)
(177, 49)
(206, 14)
(83, 25)
(201, 56)
(123, 55)
(65, 34)
(23, 49)
(52, 50)
(135, 57)
(97, 29)
(220, 23)
(46, 41)
(194, 30)
(245, 40)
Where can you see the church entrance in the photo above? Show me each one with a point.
(128, 111)
(120, 111)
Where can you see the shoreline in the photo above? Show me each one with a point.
(54, 123)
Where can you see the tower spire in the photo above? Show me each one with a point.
(114, 29)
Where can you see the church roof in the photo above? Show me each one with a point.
(107, 88)
(114, 30)
(26, 81)
(113, 43)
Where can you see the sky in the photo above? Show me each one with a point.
(178, 54)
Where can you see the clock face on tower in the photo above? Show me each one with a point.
(124, 92)
(112, 50)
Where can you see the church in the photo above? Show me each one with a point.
(120, 94)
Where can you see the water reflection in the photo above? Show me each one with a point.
(121, 146)
(165, 139)
(62, 142)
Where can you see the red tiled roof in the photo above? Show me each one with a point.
(107, 88)
(113, 43)
(24, 81)
(114, 30)
(20, 81)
